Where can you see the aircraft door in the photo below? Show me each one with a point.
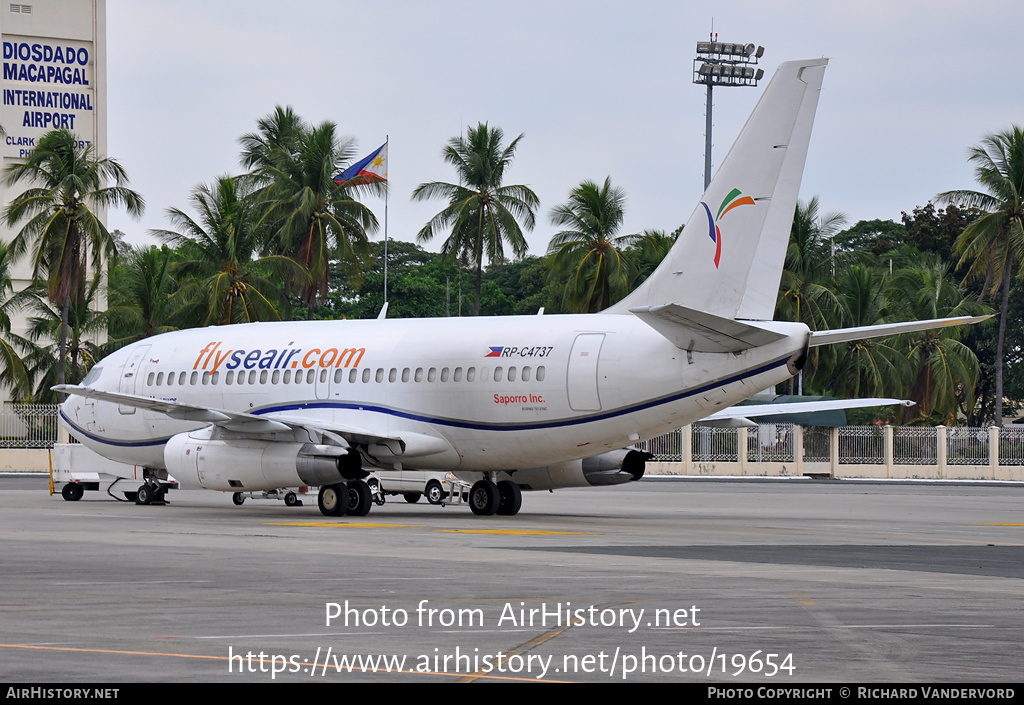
(322, 382)
(130, 374)
(581, 380)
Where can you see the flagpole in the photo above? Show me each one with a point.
(386, 141)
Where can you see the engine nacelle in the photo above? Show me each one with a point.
(236, 465)
(612, 468)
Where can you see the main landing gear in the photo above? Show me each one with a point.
(353, 498)
(150, 494)
(504, 498)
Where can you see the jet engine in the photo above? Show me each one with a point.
(236, 465)
(612, 468)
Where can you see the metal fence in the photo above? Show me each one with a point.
(861, 445)
(858, 445)
(916, 445)
(667, 447)
(28, 425)
(1011, 446)
(967, 445)
(817, 444)
(771, 443)
(715, 445)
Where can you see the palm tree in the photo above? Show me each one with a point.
(279, 131)
(588, 254)
(872, 367)
(315, 219)
(225, 280)
(647, 250)
(62, 230)
(141, 296)
(482, 213)
(992, 246)
(85, 326)
(14, 375)
(805, 292)
(945, 370)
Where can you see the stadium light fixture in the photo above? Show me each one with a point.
(723, 64)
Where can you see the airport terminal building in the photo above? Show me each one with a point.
(54, 76)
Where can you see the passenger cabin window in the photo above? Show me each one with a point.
(444, 374)
(458, 375)
(526, 374)
(540, 373)
(419, 374)
(511, 374)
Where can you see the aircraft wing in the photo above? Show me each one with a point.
(241, 422)
(739, 415)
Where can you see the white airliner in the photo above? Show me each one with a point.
(509, 403)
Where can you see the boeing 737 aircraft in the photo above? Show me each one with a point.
(510, 403)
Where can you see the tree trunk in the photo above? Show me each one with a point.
(62, 345)
(479, 286)
(1004, 308)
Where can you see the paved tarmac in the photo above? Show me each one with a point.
(755, 581)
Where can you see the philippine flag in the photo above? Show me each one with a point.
(365, 171)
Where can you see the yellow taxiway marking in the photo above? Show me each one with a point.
(338, 525)
(517, 532)
(996, 525)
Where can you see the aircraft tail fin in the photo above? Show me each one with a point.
(728, 260)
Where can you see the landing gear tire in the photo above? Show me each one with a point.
(238, 498)
(511, 498)
(72, 492)
(412, 497)
(145, 495)
(484, 498)
(435, 493)
(291, 500)
(360, 499)
(379, 498)
(333, 500)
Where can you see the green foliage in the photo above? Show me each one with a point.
(483, 214)
(587, 255)
(62, 228)
(222, 278)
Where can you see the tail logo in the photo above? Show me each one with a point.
(735, 198)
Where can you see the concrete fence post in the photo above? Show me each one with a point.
(941, 447)
(888, 436)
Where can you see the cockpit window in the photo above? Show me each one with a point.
(94, 374)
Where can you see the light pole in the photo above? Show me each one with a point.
(723, 64)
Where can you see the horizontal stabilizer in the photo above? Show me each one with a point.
(698, 331)
(800, 407)
(846, 335)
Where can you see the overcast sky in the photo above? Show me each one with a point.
(597, 88)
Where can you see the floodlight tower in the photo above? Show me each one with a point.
(722, 64)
